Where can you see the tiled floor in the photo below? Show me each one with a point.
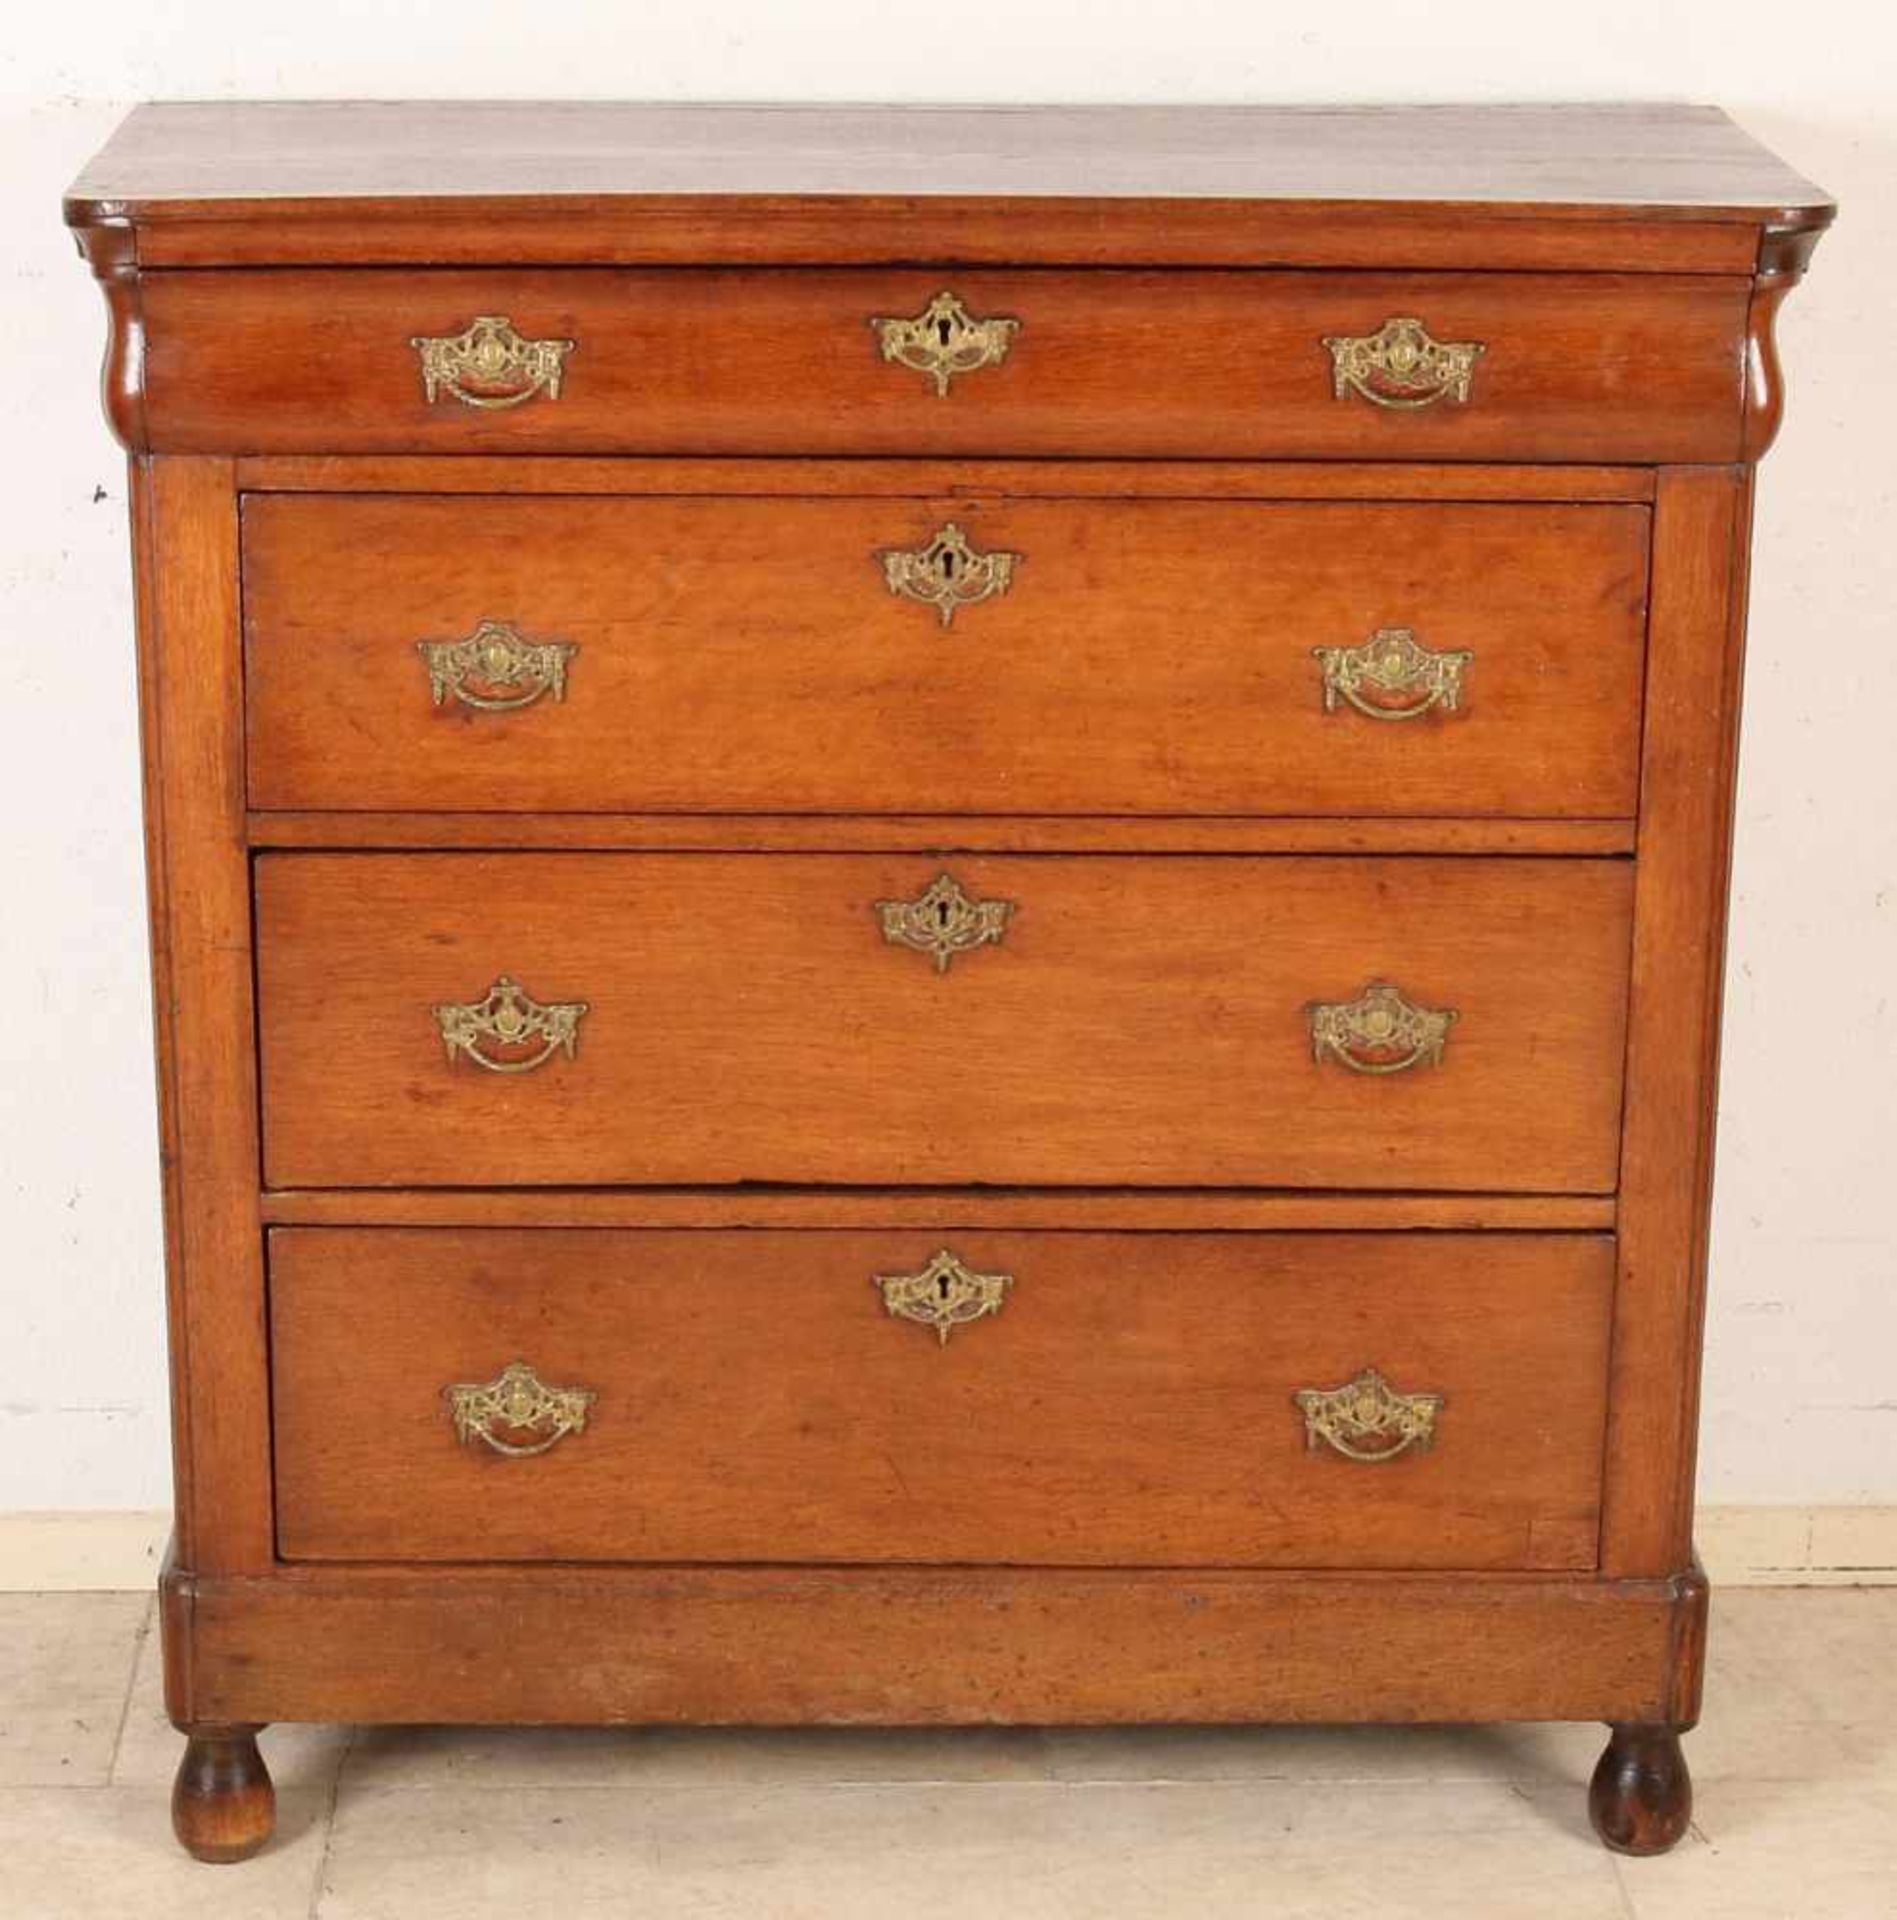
(1796, 1764)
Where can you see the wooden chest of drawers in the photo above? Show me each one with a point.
(937, 904)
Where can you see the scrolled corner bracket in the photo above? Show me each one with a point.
(507, 1030)
(944, 1294)
(109, 244)
(490, 365)
(1381, 1031)
(1401, 366)
(1783, 255)
(1367, 1419)
(943, 921)
(944, 340)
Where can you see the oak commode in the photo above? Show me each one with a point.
(937, 901)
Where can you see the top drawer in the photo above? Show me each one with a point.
(1228, 365)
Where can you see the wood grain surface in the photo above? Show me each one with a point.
(190, 665)
(930, 479)
(742, 655)
(1059, 1209)
(1652, 186)
(854, 1646)
(1659, 155)
(1583, 367)
(935, 833)
(1689, 766)
(1132, 1404)
(1143, 1022)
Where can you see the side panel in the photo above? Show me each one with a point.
(1695, 646)
(191, 690)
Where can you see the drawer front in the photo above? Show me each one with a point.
(1123, 1400)
(856, 655)
(1580, 367)
(1089, 1020)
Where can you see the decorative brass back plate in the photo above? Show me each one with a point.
(945, 339)
(943, 921)
(508, 1017)
(496, 668)
(947, 573)
(1401, 366)
(1366, 1418)
(517, 1400)
(1391, 663)
(490, 365)
(944, 1295)
(1380, 1031)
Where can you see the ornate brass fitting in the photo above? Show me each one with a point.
(1403, 680)
(943, 921)
(947, 573)
(944, 1295)
(1366, 1418)
(1401, 366)
(507, 1017)
(517, 1400)
(1380, 1031)
(490, 365)
(945, 339)
(496, 668)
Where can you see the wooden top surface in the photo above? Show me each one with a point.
(1651, 157)
(259, 180)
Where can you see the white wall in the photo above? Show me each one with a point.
(1802, 1395)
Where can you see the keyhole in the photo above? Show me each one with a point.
(942, 1288)
(942, 331)
(947, 564)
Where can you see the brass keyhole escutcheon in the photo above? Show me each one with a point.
(944, 340)
(944, 1294)
(946, 573)
(943, 921)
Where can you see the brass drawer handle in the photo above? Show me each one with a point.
(947, 573)
(1366, 1418)
(944, 1295)
(1380, 1031)
(943, 921)
(945, 339)
(508, 1018)
(496, 668)
(1391, 663)
(1401, 366)
(517, 1401)
(490, 365)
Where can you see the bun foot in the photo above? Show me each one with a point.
(1641, 1796)
(223, 1807)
